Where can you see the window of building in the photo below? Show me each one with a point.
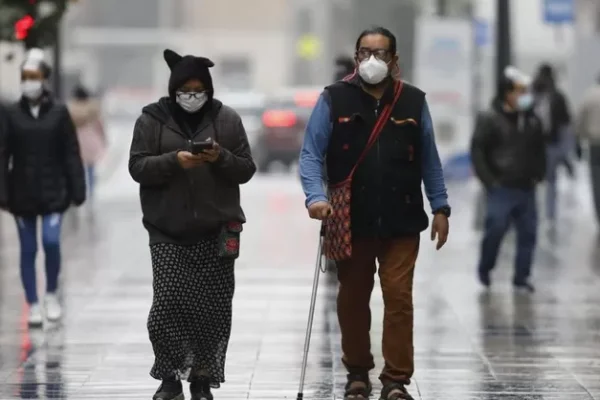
(235, 73)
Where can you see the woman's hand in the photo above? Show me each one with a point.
(188, 160)
(211, 155)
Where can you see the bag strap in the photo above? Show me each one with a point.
(381, 121)
(350, 76)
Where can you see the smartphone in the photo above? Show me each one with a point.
(199, 147)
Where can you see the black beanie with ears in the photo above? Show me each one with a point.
(188, 67)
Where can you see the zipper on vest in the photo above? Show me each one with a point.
(378, 174)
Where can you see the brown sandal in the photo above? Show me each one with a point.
(358, 387)
(395, 391)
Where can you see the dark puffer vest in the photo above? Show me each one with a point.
(387, 201)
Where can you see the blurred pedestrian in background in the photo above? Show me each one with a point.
(509, 158)
(189, 154)
(587, 127)
(46, 177)
(374, 134)
(87, 115)
(344, 66)
(552, 108)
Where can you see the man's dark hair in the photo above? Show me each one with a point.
(378, 30)
(546, 70)
(80, 92)
(505, 85)
(544, 78)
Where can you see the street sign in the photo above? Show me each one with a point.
(558, 11)
(308, 47)
(444, 68)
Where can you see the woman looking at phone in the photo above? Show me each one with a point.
(41, 176)
(189, 154)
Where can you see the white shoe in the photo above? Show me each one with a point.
(53, 308)
(35, 315)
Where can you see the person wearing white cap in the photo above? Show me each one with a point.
(508, 155)
(46, 177)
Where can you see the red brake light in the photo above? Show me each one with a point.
(306, 99)
(279, 119)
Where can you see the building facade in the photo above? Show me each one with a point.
(259, 44)
(119, 43)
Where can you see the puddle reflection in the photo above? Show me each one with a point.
(41, 371)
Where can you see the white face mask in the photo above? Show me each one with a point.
(32, 89)
(525, 101)
(373, 70)
(191, 101)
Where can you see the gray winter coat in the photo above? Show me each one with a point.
(185, 206)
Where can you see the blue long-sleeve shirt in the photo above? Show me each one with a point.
(314, 149)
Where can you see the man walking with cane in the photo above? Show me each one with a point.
(376, 135)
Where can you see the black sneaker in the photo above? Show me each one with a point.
(484, 278)
(200, 389)
(170, 389)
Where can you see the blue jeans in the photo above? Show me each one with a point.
(27, 228)
(505, 205)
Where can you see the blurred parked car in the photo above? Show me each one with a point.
(283, 123)
(250, 106)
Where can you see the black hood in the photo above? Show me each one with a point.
(184, 68)
(545, 78)
(161, 111)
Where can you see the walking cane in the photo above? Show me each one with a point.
(311, 313)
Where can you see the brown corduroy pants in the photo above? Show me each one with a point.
(356, 276)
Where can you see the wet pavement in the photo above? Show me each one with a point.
(469, 345)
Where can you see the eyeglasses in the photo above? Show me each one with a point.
(190, 95)
(381, 54)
